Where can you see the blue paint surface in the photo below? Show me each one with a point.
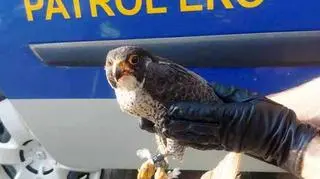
(22, 75)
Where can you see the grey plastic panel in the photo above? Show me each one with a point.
(242, 50)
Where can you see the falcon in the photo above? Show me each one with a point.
(145, 84)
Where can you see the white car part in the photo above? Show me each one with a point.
(23, 157)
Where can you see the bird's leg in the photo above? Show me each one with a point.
(161, 173)
(156, 163)
(160, 160)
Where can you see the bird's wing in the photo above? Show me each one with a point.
(180, 69)
(169, 82)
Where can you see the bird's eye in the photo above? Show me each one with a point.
(134, 59)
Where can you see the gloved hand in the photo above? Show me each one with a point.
(146, 125)
(246, 122)
(228, 95)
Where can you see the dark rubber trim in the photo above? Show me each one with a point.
(102, 174)
(239, 50)
(32, 169)
(2, 96)
(21, 156)
(48, 172)
(77, 175)
(27, 142)
(4, 134)
(193, 174)
(10, 171)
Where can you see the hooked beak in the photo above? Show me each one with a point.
(117, 73)
(120, 69)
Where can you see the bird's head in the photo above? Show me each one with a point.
(126, 67)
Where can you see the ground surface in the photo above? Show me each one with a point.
(131, 174)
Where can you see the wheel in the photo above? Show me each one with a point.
(23, 157)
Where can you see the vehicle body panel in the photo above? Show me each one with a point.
(73, 111)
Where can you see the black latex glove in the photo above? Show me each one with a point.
(146, 125)
(227, 94)
(246, 123)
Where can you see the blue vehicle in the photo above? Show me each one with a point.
(58, 115)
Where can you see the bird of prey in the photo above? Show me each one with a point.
(145, 84)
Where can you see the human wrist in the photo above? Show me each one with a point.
(276, 136)
(294, 150)
(298, 142)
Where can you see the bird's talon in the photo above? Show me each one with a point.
(161, 174)
(147, 170)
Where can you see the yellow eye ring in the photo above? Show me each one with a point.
(133, 59)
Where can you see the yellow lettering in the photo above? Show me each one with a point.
(250, 4)
(77, 9)
(59, 9)
(155, 10)
(184, 7)
(227, 4)
(210, 4)
(129, 12)
(103, 4)
(32, 7)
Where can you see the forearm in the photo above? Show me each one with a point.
(305, 101)
(311, 160)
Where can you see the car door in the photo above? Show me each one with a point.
(53, 54)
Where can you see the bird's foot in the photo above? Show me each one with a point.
(161, 174)
(155, 166)
(147, 170)
(162, 165)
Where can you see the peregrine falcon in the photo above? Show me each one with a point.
(145, 84)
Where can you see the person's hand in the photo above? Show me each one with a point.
(245, 122)
(228, 95)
